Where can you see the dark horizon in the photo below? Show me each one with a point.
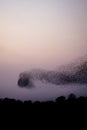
(61, 105)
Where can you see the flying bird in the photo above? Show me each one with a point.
(78, 74)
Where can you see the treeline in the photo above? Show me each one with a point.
(61, 104)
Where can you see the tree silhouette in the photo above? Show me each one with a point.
(72, 96)
(61, 99)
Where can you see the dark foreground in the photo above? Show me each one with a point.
(60, 105)
(61, 110)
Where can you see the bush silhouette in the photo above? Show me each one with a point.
(72, 96)
(61, 104)
(60, 99)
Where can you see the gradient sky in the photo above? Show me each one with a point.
(40, 34)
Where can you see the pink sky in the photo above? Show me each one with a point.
(42, 33)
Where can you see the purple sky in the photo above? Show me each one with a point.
(39, 34)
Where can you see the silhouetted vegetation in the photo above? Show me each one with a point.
(61, 104)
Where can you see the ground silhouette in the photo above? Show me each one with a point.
(60, 105)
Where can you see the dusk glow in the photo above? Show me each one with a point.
(39, 34)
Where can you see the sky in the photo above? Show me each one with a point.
(43, 33)
(39, 34)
